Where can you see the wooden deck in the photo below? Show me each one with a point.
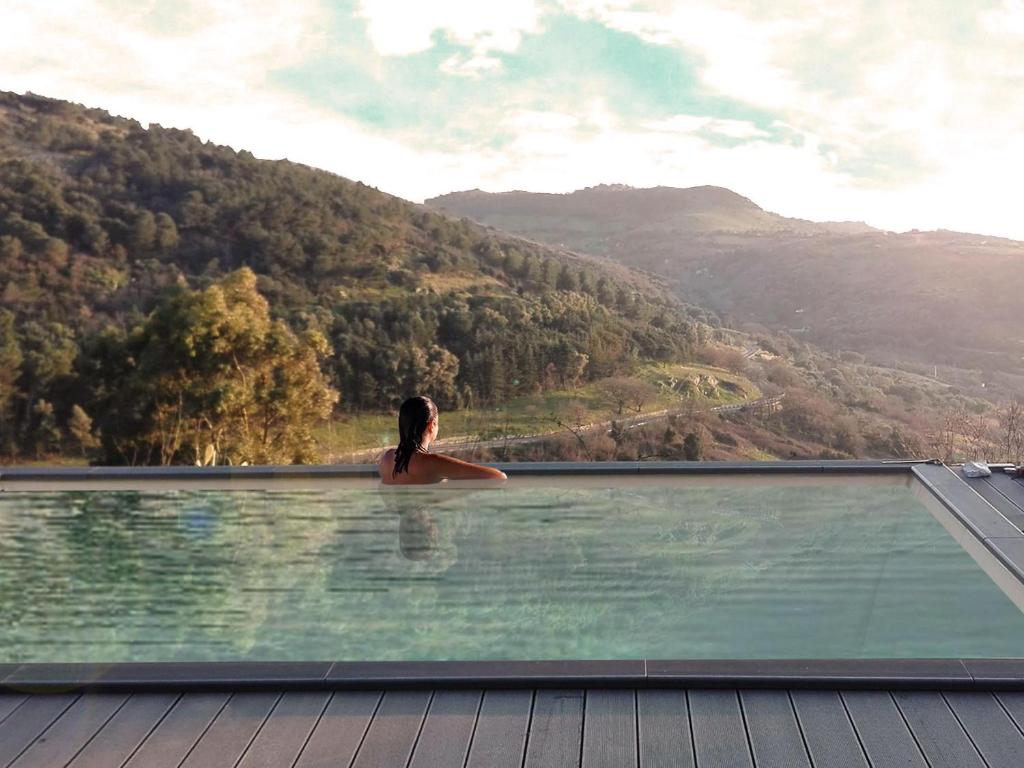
(1002, 492)
(514, 729)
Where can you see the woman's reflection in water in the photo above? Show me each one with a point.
(426, 523)
(418, 534)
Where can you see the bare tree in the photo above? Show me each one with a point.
(622, 391)
(1011, 431)
(574, 418)
(960, 433)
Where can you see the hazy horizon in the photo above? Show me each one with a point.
(827, 111)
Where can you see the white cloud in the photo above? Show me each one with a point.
(473, 65)
(401, 28)
(86, 51)
(737, 52)
(1005, 21)
(733, 129)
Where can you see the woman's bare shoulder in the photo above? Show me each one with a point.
(386, 462)
(457, 469)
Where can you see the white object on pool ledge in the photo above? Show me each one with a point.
(976, 469)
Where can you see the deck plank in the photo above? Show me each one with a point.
(556, 730)
(1012, 490)
(228, 736)
(340, 730)
(394, 729)
(501, 728)
(775, 738)
(178, 732)
(831, 739)
(886, 738)
(285, 732)
(999, 497)
(71, 731)
(125, 731)
(719, 736)
(10, 702)
(990, 728)
(447, 730)
(1014, 704)
(609, 729)
(663, 721)
(28, 721)
(938, 733)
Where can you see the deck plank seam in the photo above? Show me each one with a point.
(209, 725)
(964, 728)
(366, 730)
(1020, 725)
(472, 735)
(583, 723)
(149, 733)
(636, 723)
(419, 732)
(689, 723)
(1012, 502)
(255, 735)
(800, 728)
(18, 706)
(746, 728)
(529, 729)
(96, 733)
(49, 725)
(906, 724)
(1005, 710)
(856, 733)
(316, 724)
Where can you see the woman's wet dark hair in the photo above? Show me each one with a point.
(412, 423)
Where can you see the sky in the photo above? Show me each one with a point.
(903, 114)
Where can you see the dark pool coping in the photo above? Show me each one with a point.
(863, 674)
(995, 531)
(982, 520)
(329, 471)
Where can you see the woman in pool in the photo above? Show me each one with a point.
(411, 464)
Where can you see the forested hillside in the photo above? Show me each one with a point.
(934, 298)
(120, 251)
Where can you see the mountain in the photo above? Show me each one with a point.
(102, 219)
(937, 298)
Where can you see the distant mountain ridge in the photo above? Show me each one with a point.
(607, 207)
(936, 297)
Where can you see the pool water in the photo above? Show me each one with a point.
(538, 569)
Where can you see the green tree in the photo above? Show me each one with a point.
(166, 233)
(567, 280)
(143, 232)
(215, 370)
(10, 370)
(80, 429)
(693, 446)
(45, 432)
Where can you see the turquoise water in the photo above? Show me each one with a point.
(530, 571)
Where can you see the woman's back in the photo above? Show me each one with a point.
(424, 468)
(410, 464)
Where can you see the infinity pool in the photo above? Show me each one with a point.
(601, 568)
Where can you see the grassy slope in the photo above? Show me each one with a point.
(538, 414)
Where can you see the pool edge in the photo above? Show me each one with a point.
(853, 674)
